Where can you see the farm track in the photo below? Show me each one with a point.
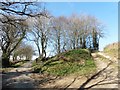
(23, 78)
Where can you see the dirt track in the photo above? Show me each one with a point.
(23, 78)
(107, 78)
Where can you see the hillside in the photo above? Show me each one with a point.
(74, 61)
(112, 49)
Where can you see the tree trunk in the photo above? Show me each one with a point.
(37, 44)
(74, 43)
(81, 42)
(5, 60)
(84, 43)
(77, 41)
(95, 43)
(43, 45)
(58, 51)
(89, 42)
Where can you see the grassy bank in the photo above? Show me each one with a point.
(74, 61)
(19, 63)
(112, 49)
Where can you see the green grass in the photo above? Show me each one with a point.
(77, 54)
(78, 61)
(18, 64)
(67, 68)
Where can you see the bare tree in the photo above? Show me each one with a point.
(74, 30)
(85, 31)
(34, 34)
(11, 36)
(13, 29)
(94, 31)
(43, 26)
(31, 9)
(40, 32)
(58, 33)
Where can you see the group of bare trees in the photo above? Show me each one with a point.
(76, 31)
(23, 52)
(11, 35)
(65, 33)
(31, 22)
(14, 25)
(40, 34)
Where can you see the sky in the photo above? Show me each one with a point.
(106, 12)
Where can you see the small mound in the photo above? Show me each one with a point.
(74, 61)
(75, 55)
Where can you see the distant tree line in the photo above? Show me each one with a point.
(44, 30)
(23, 52)
(65, 33)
